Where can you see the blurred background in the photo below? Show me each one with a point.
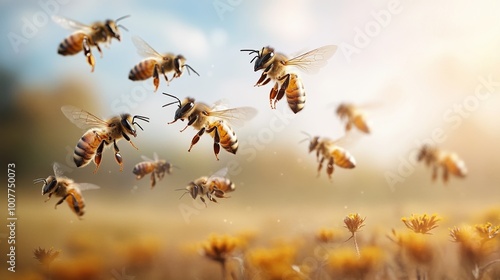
(424, 74)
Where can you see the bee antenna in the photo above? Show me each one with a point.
(142, 118)
(306, 139)
(250, 51)
(122, 27)
(189, 67)
(40, 180)
(173, 96)
(121, 18)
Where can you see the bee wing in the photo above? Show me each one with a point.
(70, 24)
(236, 116)
(144, 49)
(155, 156)
(145, 158)
(58, 169)
(82, 118)
(220, 173)
(86, 186)
(312, 61)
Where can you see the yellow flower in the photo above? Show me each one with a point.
(421, 224)
(274, 263)
(354, 222)
(219, 247)
(487, 231)
(326, 235)
(345, 263)
(45, 257)
(417, 248)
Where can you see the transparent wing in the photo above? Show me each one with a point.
(236, 116)
(145, 158)
(312, 61)
(155, 156)
(58, 169)
(220, 173)
(70, 24)
(87, 186)
(144, 49)
(82, 118)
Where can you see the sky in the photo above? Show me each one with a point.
(411, 66)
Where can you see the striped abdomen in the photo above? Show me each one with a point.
(295, 94)
(72, 44)
(78, 204)
(227, 137)
(142, 71)
(343, 158)
(86, 148)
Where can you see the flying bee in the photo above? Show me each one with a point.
(209, 119)
(448, 161)
(217, 185)
(155, 64)
(276, 67)
(335, 155)
(353, 116)
(99, 134)
(66, 189)
(157, 167)
(87, 36)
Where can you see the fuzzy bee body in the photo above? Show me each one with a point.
(439, 159)
(211, 187)
(101, 134)
(65, 188)
(87, 36)
(157, 168)
(276, 66)
(207, 119)
(327, 149)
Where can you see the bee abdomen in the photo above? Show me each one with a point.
(228, 139)
(71, 45)
(85, 149)
(295, 94)
(343, 158)
(142, 71)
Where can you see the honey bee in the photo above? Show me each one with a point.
(276, 67)
(155, 64)
(157, 167)
(208, 119)
(328, 149)
(448, 161)
(99, 134)
(216, 185)
(66, 189)
(87, 36)
(353, 116)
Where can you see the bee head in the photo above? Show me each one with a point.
(112, 27)
(180, 63)
(128, 123)
(263, 57)
(184, 108)
(49, 184)
(342, 109)
(313, 143)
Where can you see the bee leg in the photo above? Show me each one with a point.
(445, 175)
(61, 200)
(320, 165)
(202, 199)
(272, 96)
(118, 157)
(48, 198)
(329, 168)
(348, 126)
(196, 138)
(98, 156)
(190, 122)
(156, 77)
(434, 173)
(88, 53)
(99, 49)
(165, 75)
(216, 140)
(153, 180)
(262, 78)
(283, 87)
